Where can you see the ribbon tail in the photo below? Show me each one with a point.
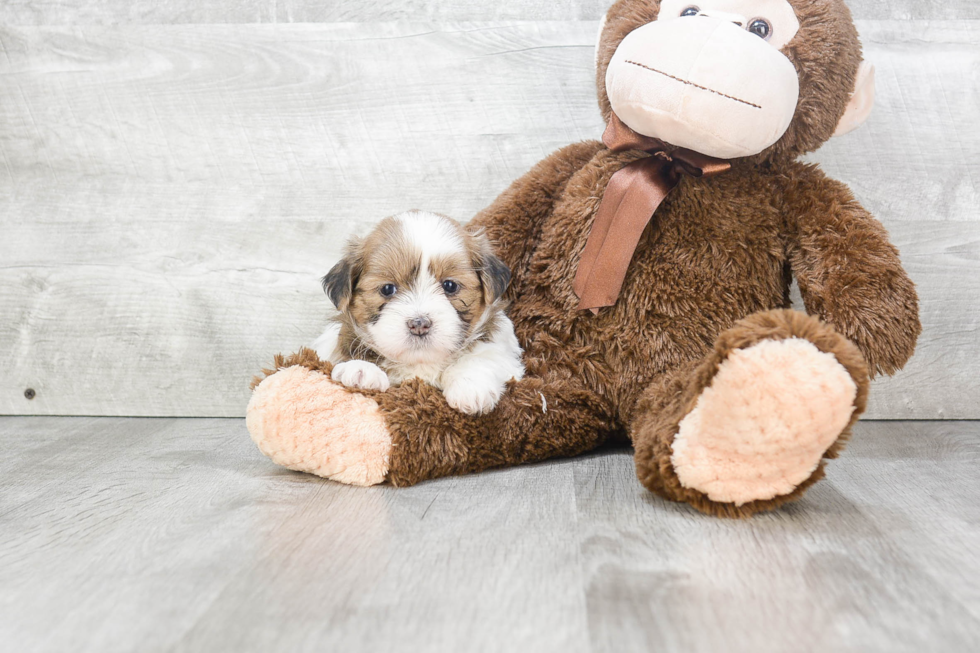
(649, 185)
(609, 207)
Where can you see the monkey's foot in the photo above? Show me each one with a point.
(763, 423)
(304, 421)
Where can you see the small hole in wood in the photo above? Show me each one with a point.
(29, 393)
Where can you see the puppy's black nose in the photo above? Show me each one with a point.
(419, 325)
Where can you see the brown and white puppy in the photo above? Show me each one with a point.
(421, 297)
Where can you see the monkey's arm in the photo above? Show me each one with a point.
(849, 273)
(514, 220)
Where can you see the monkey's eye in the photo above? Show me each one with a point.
(387, 290)
(691, 11)
(761, 28)
(450, 286)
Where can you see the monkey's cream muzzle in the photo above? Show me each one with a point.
(704, 84)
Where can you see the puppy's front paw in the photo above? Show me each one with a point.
(473, 396)
(360, 374)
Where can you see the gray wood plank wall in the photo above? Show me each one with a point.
(114, 12)
(174, 177)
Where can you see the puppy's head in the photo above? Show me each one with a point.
(418, 287)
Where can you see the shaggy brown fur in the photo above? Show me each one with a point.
(711, 274)
(304, 357)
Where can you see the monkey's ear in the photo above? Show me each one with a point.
(340, 282)
(862, 100)
(598, 38)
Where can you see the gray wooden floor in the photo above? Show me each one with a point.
(175, 534)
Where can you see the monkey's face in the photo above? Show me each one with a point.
(729, 78)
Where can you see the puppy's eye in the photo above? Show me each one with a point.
(761, 28)
(691, 11)
(450, 286)
(387, 290)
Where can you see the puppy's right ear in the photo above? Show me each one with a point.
(340, 282)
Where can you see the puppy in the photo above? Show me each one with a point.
(421, 297)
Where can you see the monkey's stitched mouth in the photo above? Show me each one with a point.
(684, 81)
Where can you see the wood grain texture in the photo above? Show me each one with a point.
(177, 535)
(170, 195)
(147, 12)
(879, 557)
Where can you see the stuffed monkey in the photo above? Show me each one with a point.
(651, 277)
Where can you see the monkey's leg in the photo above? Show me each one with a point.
(748, 427)
(301, 419)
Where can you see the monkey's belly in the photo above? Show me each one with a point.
(676, 299)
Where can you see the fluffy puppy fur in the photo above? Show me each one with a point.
(421, 297)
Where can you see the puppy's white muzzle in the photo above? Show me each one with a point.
(419, 326)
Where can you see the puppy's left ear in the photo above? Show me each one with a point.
(494, 273)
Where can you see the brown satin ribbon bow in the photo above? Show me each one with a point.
(631, 198)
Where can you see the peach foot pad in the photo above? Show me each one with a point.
(762, 426)
(304, 421)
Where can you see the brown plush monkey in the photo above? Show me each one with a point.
(673, 332)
